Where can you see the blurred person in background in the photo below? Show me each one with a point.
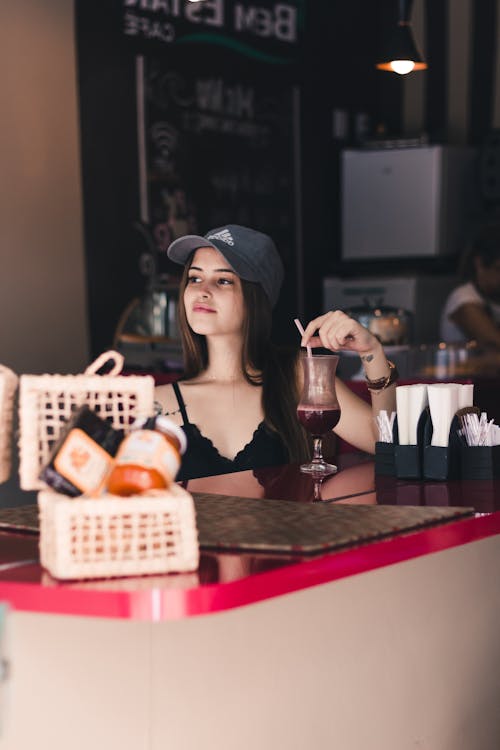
(472, 310)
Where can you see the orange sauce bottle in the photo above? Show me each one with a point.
(148, 458)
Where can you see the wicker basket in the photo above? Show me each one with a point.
(8, 385)
(46, 402)
(115, 536)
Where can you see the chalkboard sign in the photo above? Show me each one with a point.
(189, 115)
(217, 149)
(270, 31)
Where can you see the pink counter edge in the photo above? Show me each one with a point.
(157, 604)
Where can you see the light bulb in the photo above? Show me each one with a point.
(402, 67)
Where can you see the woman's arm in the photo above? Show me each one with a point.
(337, 331)
(476, 323)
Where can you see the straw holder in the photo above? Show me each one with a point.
(384, 459)
(480, 462)
(402, 461)
(458, 461)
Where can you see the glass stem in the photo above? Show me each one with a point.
(317, 489)
(317, 454)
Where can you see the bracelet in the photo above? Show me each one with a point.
(382, 383)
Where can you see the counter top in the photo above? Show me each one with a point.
(227, 580)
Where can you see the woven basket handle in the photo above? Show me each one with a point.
(102, 359)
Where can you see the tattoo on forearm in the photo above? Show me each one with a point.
(367, 358)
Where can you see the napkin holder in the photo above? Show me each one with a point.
(408, 458)
(442, 462)
(434, 462)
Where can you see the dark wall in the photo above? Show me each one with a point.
(333, 71)
(109, 168)
(207, 160)
(338, 76)
(327, 71)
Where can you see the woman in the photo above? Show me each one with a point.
(472, 310)
(238, 397)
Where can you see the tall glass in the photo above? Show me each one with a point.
(318, 410)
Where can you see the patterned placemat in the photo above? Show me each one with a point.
(239, 523)
(24, 518)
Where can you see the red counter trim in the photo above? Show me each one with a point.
(155, 605)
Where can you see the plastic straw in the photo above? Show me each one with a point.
(385, 424)
(301, 331)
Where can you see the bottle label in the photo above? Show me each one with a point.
(150, 450)
(83, 462)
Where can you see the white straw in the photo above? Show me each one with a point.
(385, 425)
(301, 331)
(478, 431)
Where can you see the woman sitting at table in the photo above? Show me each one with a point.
(472, 310)
(238, 396)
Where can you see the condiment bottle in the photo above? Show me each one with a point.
(83, 455)
(148, 458)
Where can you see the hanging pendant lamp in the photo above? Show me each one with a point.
(401, 53)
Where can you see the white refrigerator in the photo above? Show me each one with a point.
(407, 202)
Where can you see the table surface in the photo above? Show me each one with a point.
(227, 580)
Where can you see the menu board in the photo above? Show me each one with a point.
(218, 149)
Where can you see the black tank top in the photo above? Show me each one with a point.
(202, 459)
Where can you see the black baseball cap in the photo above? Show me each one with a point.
(252, 254)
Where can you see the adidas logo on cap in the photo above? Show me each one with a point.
(225, 236)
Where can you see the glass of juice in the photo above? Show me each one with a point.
(318, 409)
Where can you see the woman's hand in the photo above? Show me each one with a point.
(335, 330)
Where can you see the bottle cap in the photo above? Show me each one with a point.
(165, 425)
(162, 424)
(143, 423)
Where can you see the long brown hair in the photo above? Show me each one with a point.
(276, 367)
